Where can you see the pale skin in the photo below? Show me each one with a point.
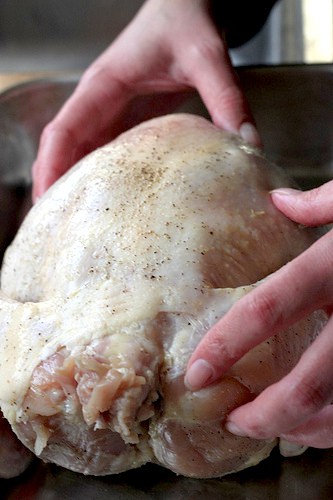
(298, 407)
(168, 50)
(148, 70)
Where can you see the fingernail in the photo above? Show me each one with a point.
(250, 134)
(234, 429)
(285, 191)
(199, 373)
(288, 449)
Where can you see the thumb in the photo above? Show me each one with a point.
(311, 208)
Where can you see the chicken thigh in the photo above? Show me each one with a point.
(112, 280)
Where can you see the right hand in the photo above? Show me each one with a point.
(167, 50)
(299, 406)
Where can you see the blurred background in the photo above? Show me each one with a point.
(56, 35)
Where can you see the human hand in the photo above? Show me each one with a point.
(299, 407)
(167, 50)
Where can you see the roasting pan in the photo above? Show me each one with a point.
(293, 107)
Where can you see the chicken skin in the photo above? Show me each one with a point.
(115, 276)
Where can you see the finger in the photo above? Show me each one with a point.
(316, 432)
(290, 403)
(208, 68)
(311, 208)
(80, 123)
(275, 304)
(55, 156)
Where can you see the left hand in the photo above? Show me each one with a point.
(299, 407)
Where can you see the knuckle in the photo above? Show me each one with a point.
(307, 201)
(203, 52)
(258, 429)
(103, 77)
(231, 97)
(57, 126)
(48, 132)
(311, 196)
(308, 395)
(207, 50)
(49, 129)
(95, 72)
(263, 310)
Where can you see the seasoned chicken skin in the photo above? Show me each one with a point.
(115, 276)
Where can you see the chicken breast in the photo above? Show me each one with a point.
(115, 276)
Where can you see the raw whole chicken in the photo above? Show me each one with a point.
(112, 280)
